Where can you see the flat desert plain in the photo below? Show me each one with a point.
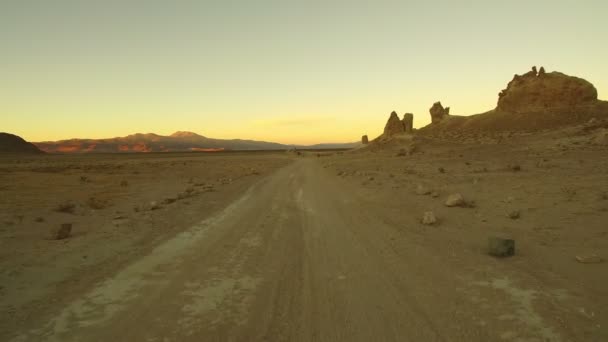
(311, 246)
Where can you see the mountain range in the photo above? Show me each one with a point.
(180, 141)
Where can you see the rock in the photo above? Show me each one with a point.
(600, 137)
(500, 247)
(169, 200)
(434, 194)
(589, 259)
(393, 126)
(514, 167)
(455, 200)
(429, 218)
(408, 122)
(514, 214)
(364, 140)
(153, 205)
(438, 113)
(62, 232)
(422, 190)
(402, 153)
(534, 92)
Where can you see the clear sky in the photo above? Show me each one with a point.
(286, 71)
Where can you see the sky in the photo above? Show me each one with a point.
(296, 72)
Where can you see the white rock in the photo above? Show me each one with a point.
(422, 190)
(429, 218)
(455, 200)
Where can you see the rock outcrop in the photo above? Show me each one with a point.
(364, 140)
(408, 122)
(541, 91)
(393, 126)
(10, 143)
(438, 113)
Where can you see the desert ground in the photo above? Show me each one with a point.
(328, 246)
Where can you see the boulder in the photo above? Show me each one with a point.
(364, 140)
(408, 122)
(393, 126)
(438, 113)
(501, 247)
(541, 91)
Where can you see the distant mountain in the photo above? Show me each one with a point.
(180, 141)
(330, 146)
(10, 143)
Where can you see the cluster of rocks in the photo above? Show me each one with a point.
(538, 90)
(395, 126)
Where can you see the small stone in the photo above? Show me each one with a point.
(422, 190)
(514, 167)
(455, 200)
(61, 232)
(434, 194)
(429, 218)
(154, 205)
(589, 259)
(500, 247)
(514, 214)
(169, 200)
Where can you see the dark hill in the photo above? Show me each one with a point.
(10, 143)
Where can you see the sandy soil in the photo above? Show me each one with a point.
(113, 223)
(326, 247)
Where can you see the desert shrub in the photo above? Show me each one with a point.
(66, 207)
(569, 192)
(96, 203)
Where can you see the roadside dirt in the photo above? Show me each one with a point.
(38, 275)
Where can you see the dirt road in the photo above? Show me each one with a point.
(300, 257)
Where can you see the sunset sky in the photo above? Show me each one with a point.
(287, 71)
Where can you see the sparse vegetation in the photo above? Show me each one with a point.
(96, 203)
(569, 192)
(66, 207)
